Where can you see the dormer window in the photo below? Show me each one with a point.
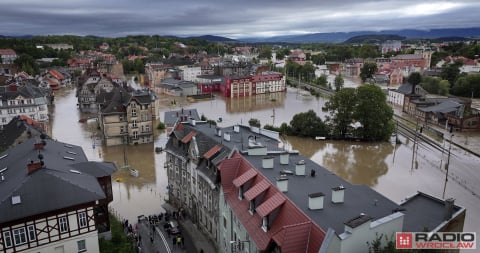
(251, 206)
(240, 192)
(265, 223)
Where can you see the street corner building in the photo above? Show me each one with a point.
(52, 199)
(246, 193)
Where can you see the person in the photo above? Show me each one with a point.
(174, 241)
(179, 241)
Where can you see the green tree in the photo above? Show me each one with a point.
(373, 113)
(318, 59)
(368, 70)
(308, 124)
(322, 80)
(339, 82)
(443, 87)
(254, 122)
(265, 52)
(27, 63)
(431, 84)
(451, 71)
(415, 78)
(341, 108)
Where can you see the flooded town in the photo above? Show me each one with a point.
(258, 149)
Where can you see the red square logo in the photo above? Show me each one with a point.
(404, 240)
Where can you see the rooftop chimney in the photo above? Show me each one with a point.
(300, 168)
(226, 136)
(218, 131)
(315, 201)
(282, 183)
(267, 162)
(284, 158)
(338, 194)
(449, 204)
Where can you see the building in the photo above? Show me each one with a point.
(275, 200)
(178, 88)
(7, 56)
(190, 73)
(127, 118)
(28, 100)
(52, 198)
(59, 46)
(250, 85)
(18, 130)
(391, 46)
(157, 72)
(91, 84)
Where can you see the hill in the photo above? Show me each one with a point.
(340, 37)
(374, 38)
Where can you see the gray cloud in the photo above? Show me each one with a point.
(230, 18)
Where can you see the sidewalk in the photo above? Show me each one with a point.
(201, 243)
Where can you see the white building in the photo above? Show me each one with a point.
(23, 100)
(190, 73)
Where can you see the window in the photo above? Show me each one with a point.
(265, 223)
(82, 220)
(7, 239)
(62, 222)
(134, 112)
(31, 233)
(240, 192)
(134, 124)
(19, 236)
(82, 246)
(135, 135)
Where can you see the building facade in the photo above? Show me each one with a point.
(273, 200)
(31, 220)
(26, 100)
(127, 118)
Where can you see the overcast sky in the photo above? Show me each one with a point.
(233, 19)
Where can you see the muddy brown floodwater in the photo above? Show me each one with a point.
(383, 166)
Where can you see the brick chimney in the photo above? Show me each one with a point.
(34, 166)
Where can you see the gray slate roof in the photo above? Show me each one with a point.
(53, 187)
(171, 117)
(358, 198)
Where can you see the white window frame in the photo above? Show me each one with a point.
(63, 224)
(82, 246)
(7, 239)
(82, 220)
(32, 236)
(19, 236)
(134, 112)
(134, 123)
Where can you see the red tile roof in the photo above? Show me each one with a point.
(245, 177)
(256, 190)
(7, 52)
(189, 136)
(56, 74)
(291, 229)
(270, 204)
(212, 151)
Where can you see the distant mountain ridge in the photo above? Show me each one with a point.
(344, 36)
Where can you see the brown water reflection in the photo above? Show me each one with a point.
(357, 163)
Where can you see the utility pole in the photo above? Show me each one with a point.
(414, 145)
(447, 165)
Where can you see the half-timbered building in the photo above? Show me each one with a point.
(52, 199)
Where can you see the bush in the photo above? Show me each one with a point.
(119, 243)
(160, 125)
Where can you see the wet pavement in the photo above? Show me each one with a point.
(154, 238)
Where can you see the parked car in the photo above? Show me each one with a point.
(172, 227)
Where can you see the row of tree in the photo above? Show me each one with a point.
(353, 113)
